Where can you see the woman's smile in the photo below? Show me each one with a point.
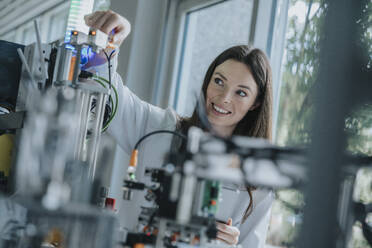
(220, 111)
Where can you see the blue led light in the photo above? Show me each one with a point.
(70, 47)
(86, 55)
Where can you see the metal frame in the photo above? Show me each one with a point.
(276, 55)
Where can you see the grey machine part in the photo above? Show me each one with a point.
(56, 156)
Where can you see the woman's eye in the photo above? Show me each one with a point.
(241, 93)
(218, 81)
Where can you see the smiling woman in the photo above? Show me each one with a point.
(237, 88)
(238, 92)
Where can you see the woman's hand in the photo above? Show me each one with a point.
(112, 24)
(228, 233)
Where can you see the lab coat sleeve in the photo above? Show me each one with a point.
(134, 117)
(253, 232)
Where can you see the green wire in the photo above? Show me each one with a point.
(117, 100)
(116, 93)
(116, 96)
(114, 110)
(100, 83)
(99, 80)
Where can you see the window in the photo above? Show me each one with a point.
(208, 31)
(297, 83)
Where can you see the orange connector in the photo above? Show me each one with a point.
(133, 158)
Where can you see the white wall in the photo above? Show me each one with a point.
(137, 65)
(139, 53)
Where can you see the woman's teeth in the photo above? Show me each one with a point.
(220, 110)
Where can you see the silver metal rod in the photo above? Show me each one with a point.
(44, 75)
(83, 125)
(24, 62)
(96, 134)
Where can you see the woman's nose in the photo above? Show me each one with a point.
(226, 97)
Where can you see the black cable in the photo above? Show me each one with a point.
(109, 64)
(109, 72)
(108, 110)
(156, 132)
(109, 67)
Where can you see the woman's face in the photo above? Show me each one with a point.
(231, 93)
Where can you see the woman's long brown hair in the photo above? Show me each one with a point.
(256, 123)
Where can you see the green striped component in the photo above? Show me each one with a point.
(211, 196)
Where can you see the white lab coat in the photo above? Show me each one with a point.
(136, 118)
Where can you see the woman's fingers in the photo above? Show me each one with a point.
(227, 233)
(110, 23)
(102, 20)
(121, 31)
(92, 18)
(227, 238)
(228, 229)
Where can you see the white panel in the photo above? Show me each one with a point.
(144, 51)
(262, 28)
